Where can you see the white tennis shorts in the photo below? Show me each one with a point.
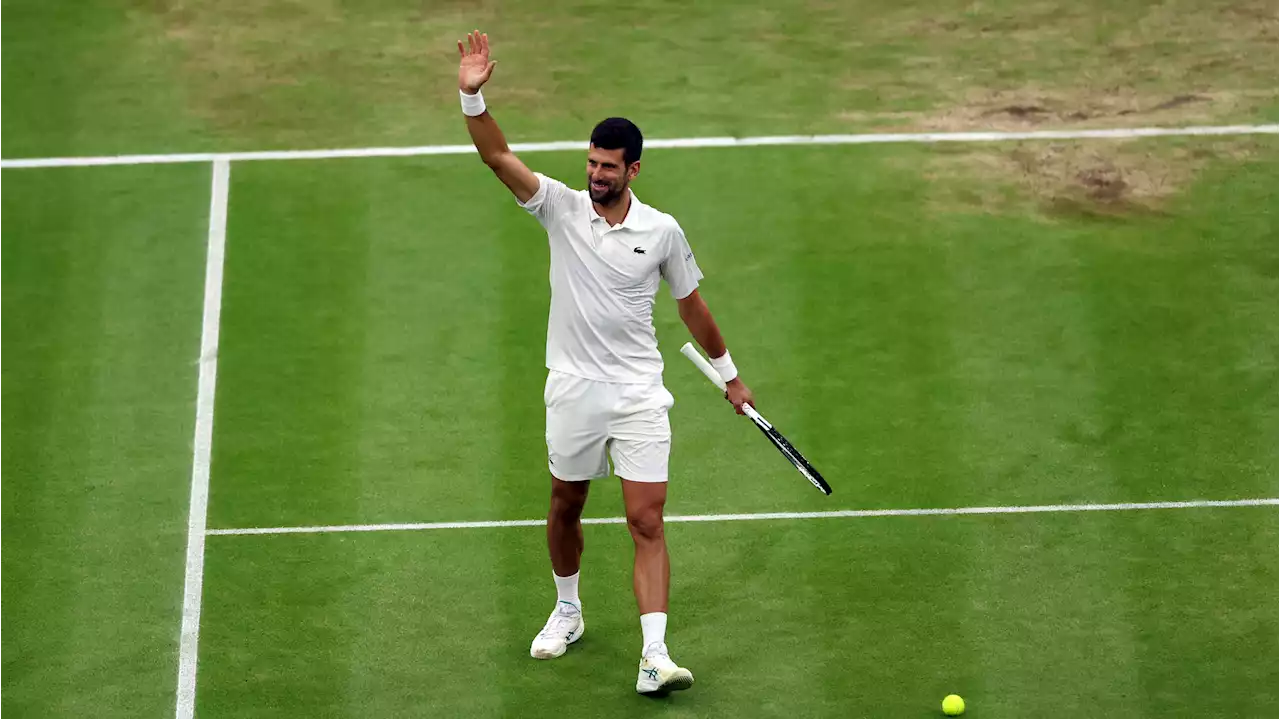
(589, 422)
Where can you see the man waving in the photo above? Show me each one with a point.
(604, 395)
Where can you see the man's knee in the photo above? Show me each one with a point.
(646, 525)
(568, 498)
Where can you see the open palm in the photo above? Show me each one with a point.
(475, 67)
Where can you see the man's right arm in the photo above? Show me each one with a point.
(474, 70)
(493, 150)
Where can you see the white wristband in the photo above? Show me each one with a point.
(472, 105)
(724, 365)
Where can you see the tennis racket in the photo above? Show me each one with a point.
(791, 453)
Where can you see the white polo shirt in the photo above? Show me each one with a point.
(603, 283)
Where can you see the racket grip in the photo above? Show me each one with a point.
(701, 363)
(755, 416)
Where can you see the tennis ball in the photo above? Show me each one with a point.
(953, 705)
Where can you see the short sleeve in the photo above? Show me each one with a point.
(679, 267)
(549, 201)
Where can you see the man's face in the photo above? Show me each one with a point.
(607, 177)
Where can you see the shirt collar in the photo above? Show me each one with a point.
(636, 218)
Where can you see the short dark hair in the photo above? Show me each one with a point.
(619, 132)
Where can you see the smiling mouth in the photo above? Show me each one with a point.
(599, 186)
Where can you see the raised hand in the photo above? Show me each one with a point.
(475, 67)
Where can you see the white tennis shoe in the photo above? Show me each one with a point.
(563, 627)
(659, 675)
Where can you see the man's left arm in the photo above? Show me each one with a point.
(697, 317)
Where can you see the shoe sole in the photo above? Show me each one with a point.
(677, 683)
(544, 654)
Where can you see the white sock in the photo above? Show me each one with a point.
(654, 627)
(567, 589)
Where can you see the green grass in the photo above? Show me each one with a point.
(102, 280)
(1091, 615)
(383, 349)
(366, 361)
(948, 359)
(934, 326)
(84, 79)
(189, 76)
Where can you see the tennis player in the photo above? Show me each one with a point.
(604, 394)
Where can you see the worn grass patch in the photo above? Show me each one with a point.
(315, 73)
(1099, 178)
(1012, 67)
(290, 69)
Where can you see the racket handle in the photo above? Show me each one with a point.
(755, 416)
(701, 363)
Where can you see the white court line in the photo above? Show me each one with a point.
(197, 518)
(581, 145)
(764, 516)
